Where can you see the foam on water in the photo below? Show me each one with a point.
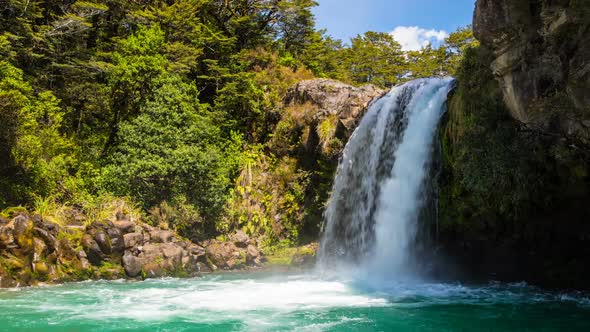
(255, 302)
(213, 298)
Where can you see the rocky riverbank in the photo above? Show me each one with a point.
(34, 250)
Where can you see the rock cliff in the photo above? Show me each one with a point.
(516, 165)
(542, 60)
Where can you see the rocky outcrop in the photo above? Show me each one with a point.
(332, 97)
(281, 195)
(33, 250)
(325, 113)
(542, 61)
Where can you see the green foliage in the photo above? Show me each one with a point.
(180, 216)
(105, 206)
(456, 45)
(33, 147)
(14, 98)
(177, 106)
(172, 149)
(376, 58)
(322, 55)
(268, 201)
(481, 148)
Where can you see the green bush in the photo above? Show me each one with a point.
(172, 149)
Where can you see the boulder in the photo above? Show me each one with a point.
(223, 254)
(22, 230)
(252, 255)
(49, 239)
(151, 251)
(131, 264)
(37, 220)
(172, 251)
(125, 226)
(40, 248)
(240, 239)
(51, 227)
(6, 281)
(196, 250)
(83, 259)
(161, 236)
(117, 240)
(23, 278)
(154, 270)
(6, 237)
(93, 251)
(104, 242)
(132, 240)
(64, 249)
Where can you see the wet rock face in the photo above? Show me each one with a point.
(542, 60)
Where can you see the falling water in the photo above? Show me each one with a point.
(378, 199)
(371, 218)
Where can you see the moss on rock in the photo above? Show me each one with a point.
(511, 198)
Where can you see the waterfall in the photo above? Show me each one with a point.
(372, 216)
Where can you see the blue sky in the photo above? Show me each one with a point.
(428, 19)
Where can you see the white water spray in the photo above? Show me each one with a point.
(371, 218)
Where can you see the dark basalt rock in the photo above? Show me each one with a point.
(104, 242)
(92, 249)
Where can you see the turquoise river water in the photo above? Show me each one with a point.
(287, 302)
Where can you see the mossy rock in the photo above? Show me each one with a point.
(25, 276)
(41, 270)
(12, 262)
(12, 212)
(23, 232)
(110, 272)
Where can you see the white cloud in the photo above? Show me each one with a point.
(414, 38)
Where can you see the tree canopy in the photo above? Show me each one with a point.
(163, 101)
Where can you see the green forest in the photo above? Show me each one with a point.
(169, 105)
(294, 165)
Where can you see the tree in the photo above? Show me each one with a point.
(171, 149)
(427, 62)
(323, 56)
(456, 45)
(295, 24)
(376, 58)
(138, 62)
